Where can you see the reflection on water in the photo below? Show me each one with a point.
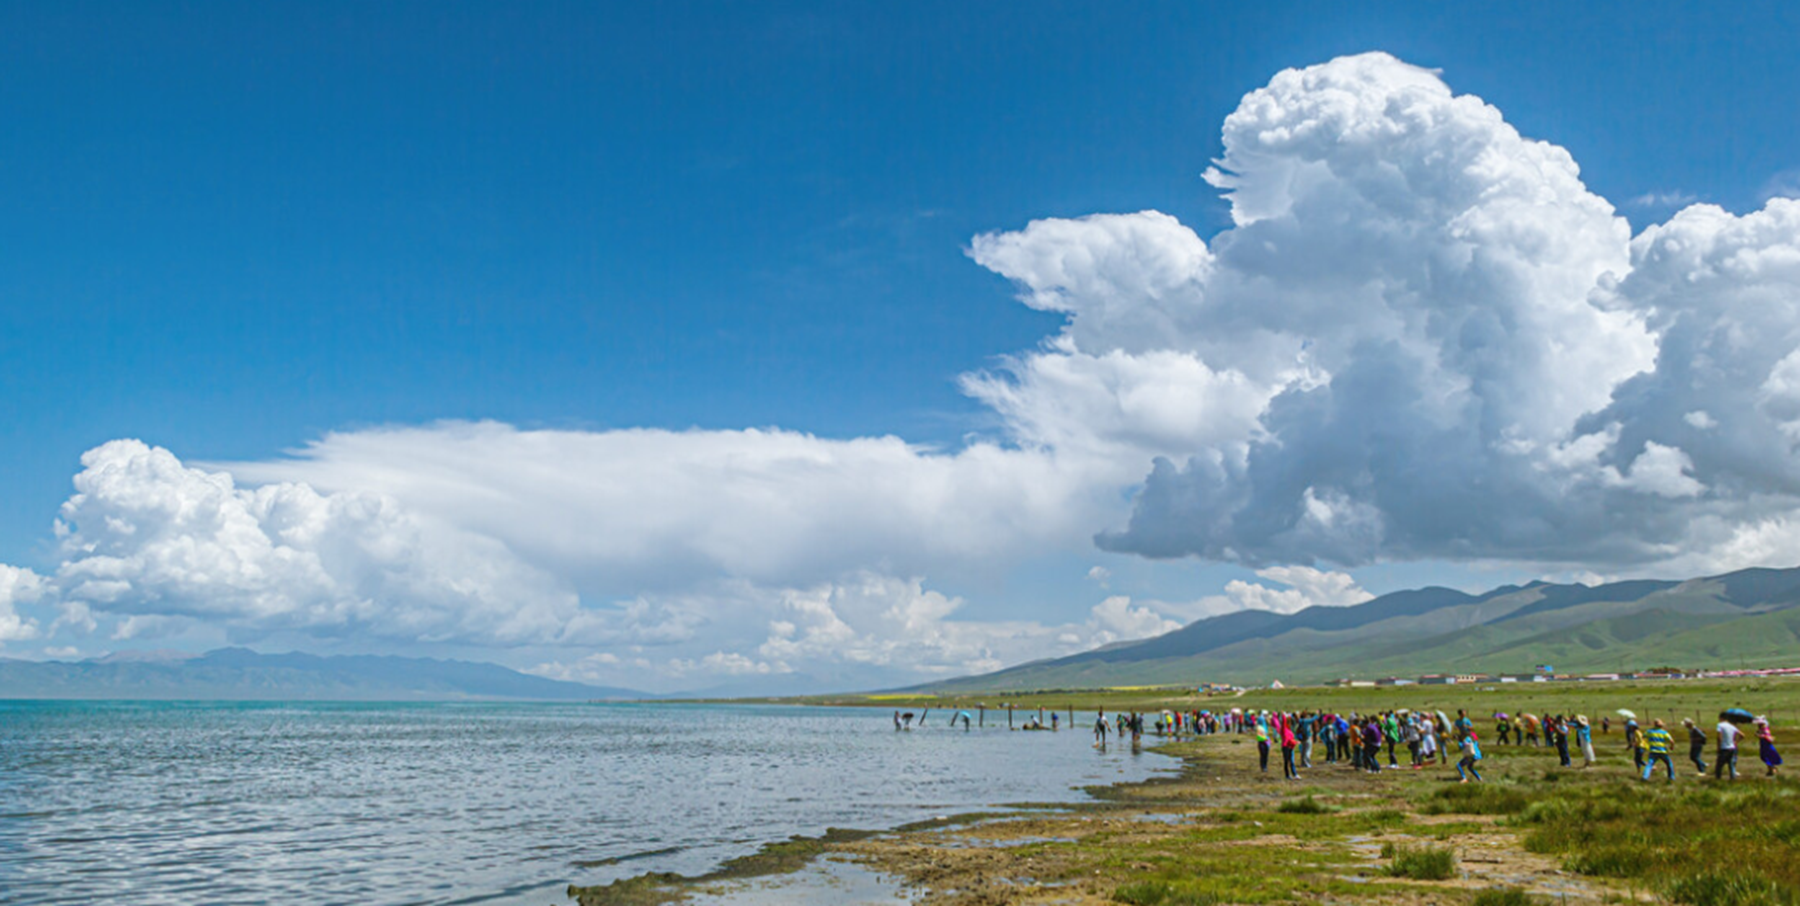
(158, 803)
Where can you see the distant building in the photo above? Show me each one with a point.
(1437, 679)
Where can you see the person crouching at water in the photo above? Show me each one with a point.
(1696, 745)
(1657, 743)
(1471, 750)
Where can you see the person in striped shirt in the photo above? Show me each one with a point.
(1658, 742)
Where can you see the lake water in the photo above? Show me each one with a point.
(227, 803)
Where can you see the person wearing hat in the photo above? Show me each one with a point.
(1584, 735)
(1696, 745)
(1765, 745)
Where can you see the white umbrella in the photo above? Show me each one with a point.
(1626, 712)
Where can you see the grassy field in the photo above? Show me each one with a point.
(1224, 832)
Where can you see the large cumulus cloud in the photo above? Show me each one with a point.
(1447, 346)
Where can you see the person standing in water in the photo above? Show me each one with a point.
(1100, 729)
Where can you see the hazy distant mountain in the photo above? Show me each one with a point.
(242, 674)
(1746, 617)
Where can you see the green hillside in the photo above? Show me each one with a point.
(1750, 617)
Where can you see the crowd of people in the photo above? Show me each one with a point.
(1360, 741)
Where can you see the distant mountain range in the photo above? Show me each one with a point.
(242, 674)
(1747, 617)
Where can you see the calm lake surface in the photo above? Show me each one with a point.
(229, 803)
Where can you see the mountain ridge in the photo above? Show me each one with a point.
(240, 674)
(1636, 623)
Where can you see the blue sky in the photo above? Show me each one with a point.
(233, 231)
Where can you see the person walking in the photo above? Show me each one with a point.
(1765, 745)
(1634, 743)
(1584, 734)
(1656, 747)
(1696, 745)
(1471, 749)
(1100, 730)
(1502, 730)
(1561, 734)
(1727, 751)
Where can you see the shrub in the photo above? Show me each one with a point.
(1422, 863)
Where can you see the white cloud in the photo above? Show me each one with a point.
(17, 586)
(1305, 587)
(154, 541)
(620, 512)
(1669, 199)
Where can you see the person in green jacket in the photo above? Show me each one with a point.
(1657, 743)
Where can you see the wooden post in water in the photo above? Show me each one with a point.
(983, 715)
(1009, 710)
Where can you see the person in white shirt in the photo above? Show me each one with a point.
(1728, 748)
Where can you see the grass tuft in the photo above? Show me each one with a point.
(1504, 896)
(1421, 863)
(1715, 889)
(1160, 893)
(1305, 805)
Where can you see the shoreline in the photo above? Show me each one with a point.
(1217, 830)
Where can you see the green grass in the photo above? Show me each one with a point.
(1505, 896)
(1703, 844)
(1161, 893)
(1305, 805)
(1421, 863)
(1476, 799)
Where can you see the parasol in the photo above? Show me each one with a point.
(1626, 712)
(1738, 716)
(1501, 715)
